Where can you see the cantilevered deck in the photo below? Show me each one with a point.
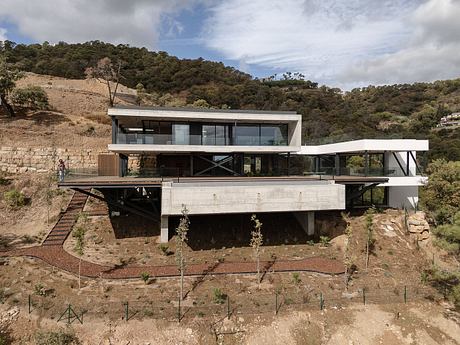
(134, 182)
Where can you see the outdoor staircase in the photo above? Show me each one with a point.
(67, 219)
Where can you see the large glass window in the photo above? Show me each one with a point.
(209, 135)
(181, 134)
(273, 135)
(247, 135)
(196, 133)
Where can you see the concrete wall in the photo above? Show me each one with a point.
(247, 197)
(403, 196)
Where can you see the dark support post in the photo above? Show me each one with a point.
(317, 164)
(178, 310)
(276, 303)
(415, 162)
(366, 163)
(191, 164)
(228, 307)
(337, 164)
(288, 163)
(114, 130)
(364, 296)
(126, 311)
(405, 294)
(30, 304)
(407, 164)
(321, 301)
(399, 163)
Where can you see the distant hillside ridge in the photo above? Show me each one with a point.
(329, 114)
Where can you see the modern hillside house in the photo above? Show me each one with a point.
(237, 161)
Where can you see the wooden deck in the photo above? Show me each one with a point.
(132, 181)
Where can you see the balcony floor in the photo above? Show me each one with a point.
(132, 181)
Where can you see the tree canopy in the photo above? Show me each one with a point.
(329, 114)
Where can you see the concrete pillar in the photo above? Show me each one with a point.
(311, 223)
(306, 220)
(164, 236)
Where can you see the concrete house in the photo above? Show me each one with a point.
(237, 161)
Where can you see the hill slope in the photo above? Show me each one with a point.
(408, 110)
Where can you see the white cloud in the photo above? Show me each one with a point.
(432, 53)
(3, 34)
(343, 43)
(135, 22)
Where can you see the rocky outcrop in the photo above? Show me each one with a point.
(417, 225)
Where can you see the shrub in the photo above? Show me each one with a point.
(200, 103)
(33, 97)
(39, 290)
(448, 235)
(145, 277)
(296, 278)
(14, 198)
(324, 241)
(60, 337)
(3, 180)
(446, 282)
(5, 338)
(219, 296)
(164, 249)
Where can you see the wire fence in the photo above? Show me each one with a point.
(224, 306)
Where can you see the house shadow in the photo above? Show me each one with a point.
(129, 225)
(41, 117)
(234, 230)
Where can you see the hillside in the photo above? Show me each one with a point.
(329, 114)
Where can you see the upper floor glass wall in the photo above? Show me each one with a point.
(171, 133)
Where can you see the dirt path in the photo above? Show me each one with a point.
(52, 252)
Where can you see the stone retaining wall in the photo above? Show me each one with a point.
(44, 159)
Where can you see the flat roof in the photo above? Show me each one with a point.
(198, 114)
(134, 182)
(371, 145)
(205, 110)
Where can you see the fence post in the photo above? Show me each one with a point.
(30, 304)
(178, 311)
(405, 294)
(321, 301)
(364, 296)
(69, 310)
(276, 303)
(228, 307)
(126, 311)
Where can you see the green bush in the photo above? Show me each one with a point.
(33, 97)
(164, 249)
(145, 277)
(324, 241)
(5, 338)
(14, 198)
(296, 278)
(219, 296)
(60, 337)
(447, 283)
(448, 235)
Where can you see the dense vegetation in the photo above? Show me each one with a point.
(329, 114)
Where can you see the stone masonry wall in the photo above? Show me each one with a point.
(20, 160)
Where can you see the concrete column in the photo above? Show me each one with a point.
(311, 223)
(306, 220)
(164, 237)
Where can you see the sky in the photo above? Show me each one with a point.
(340, 43)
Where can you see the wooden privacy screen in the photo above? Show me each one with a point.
(108, 164)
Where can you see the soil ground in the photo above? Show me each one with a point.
(78, 119)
